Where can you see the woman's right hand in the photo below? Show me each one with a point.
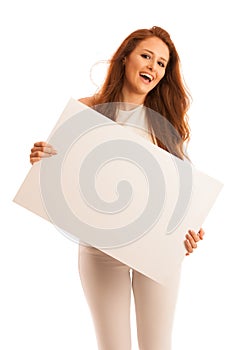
(41, 150)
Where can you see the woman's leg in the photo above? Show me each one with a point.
(107, 286)
(155, 307)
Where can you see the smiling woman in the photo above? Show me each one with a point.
(144, 71)
(143, 52)
(144, 68)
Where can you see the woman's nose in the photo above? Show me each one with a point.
(152, 65)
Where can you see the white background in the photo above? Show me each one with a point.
(47, 51)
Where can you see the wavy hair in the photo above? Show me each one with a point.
(170, 98)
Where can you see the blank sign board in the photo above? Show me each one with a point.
(118, 192)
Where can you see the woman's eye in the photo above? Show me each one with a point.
(161, 64)
(144, 55)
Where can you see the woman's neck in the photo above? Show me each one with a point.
(131, 98)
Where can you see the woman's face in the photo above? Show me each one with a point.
(144, 68)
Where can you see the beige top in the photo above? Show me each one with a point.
(135, 120)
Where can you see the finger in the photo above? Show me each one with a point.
(42, 144)
(195, 236)
(45, 149)
(191, 241)
(201, 233)
(39, 154)
(34, 160)
(188, 247)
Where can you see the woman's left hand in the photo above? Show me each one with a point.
(191, 240)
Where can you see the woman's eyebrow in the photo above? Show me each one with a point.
(151, 52)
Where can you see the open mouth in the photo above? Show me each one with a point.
(147, 77)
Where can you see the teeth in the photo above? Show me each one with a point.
(147, 75)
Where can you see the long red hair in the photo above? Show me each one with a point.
(170, 98)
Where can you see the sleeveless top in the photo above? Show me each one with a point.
(134, 120)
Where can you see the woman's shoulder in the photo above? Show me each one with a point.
(88, 101)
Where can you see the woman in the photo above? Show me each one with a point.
(144, 71)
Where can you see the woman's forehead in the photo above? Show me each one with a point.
(155, 45)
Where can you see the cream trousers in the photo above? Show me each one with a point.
(107, 287)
